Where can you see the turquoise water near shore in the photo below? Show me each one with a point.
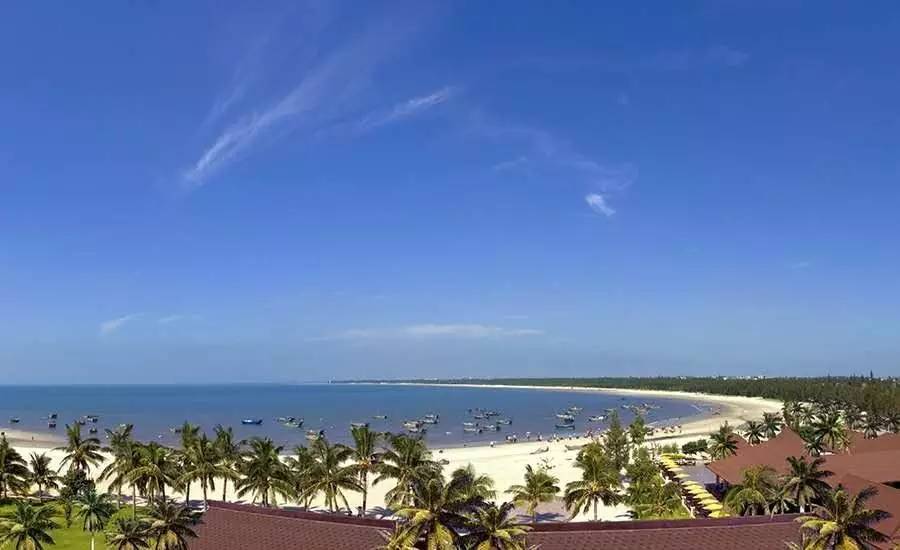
(331, 407)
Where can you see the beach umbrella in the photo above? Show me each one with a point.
(712, 507)
(688, 484)
(682, 475)
(708, 500)
(719, 514)
(697, 491)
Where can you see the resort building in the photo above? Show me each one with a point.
(866, 463)
(242, 527)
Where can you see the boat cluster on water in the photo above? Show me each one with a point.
(487, 421)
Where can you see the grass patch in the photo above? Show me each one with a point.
(70, 538)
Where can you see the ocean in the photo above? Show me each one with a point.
(154, 410)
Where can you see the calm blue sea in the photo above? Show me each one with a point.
(155, 409)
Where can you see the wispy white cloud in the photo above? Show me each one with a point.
(431, 330)
(598, 204)
(520, 163)
(406, 109)
(327, 92)
(112, 325)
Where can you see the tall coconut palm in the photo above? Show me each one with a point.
(539, 487)
(493, 527)
(438, 510)
(121, 447)
(330, 476)
(599, 483)
(128, 534)
(654, 500)
(772, 424)
(843, 522)
(804, 483)
(754, 432)
(202, 463)
(893, 422)
(364, 456)
(723, 443)
(300, 469)
(230, 453)
(28, 527)
(753, 494)
(13, 470)
(831, 430)
(853, 417)
(406, 461)
(472, 485)
(171, 525)
(95, 509)
(264, 474)
(42, 474)
(189, 435)
(155, 470)
(872, 425)
(82, 453)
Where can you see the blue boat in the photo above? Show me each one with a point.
(251, 421)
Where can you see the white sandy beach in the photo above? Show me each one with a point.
(505, 463)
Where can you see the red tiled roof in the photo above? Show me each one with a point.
(885, 442)
(773, 452)
(241, 527)
(742, 533)
(887, 499)
(877, 467)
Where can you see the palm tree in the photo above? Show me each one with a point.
(121, 447)
(28, 527)
(723, 443)
(842, 521)
(42, 474)
(330, 476)
(754, 432)
(893, 422)
(13, 471)
(230, 454)
(126, 457)
(155, 469)
(871, 426)
(599, 483)
(95, 509)
(299, 474)
(202, 463)
(539, 487)
(831, 430)
(171, 525)
(772, 423)
(128, 534)
(853, 417)
(438, 510)
(265, 476)
(654, 500)
(406, 461)
(81, 453)
(189, 435)
(364, 457)
(805, 481)
(753, 494)
(492, 527)
(472, 485)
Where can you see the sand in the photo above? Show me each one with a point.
(505, 463)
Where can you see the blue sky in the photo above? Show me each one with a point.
(224, 191)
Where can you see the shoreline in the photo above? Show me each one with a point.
(505, 462)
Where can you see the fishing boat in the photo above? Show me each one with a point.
(93, 418)
(472, 429)
(380, 417)
(53, 416)
(416, 429)
(566, 417)
(93, 430)
(429, 420)
(314, 435)
(285, 419)
(359, 424)
(504, 421)
(81, 422)
(175, 430)
(492, 427)
(51, 424)
(470, 424)
(479, 416)
(297, 423)
(597, 418)
(491, 413)
(251, 421)
(565, 426)
(575, 410)
(15, 420)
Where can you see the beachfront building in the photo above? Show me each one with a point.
(242, 527)
(865, 463)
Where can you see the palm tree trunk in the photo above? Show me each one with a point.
(133, 502)
(365, 491)
(595, 510)
(92, 540)
(187, 493)
(224, 487)
(204, 493)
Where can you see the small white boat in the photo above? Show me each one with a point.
(359, 424)
(597, 418)
(380, 417)
(504, 421)
(251, 421)
(314, 435)
(565, 416)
